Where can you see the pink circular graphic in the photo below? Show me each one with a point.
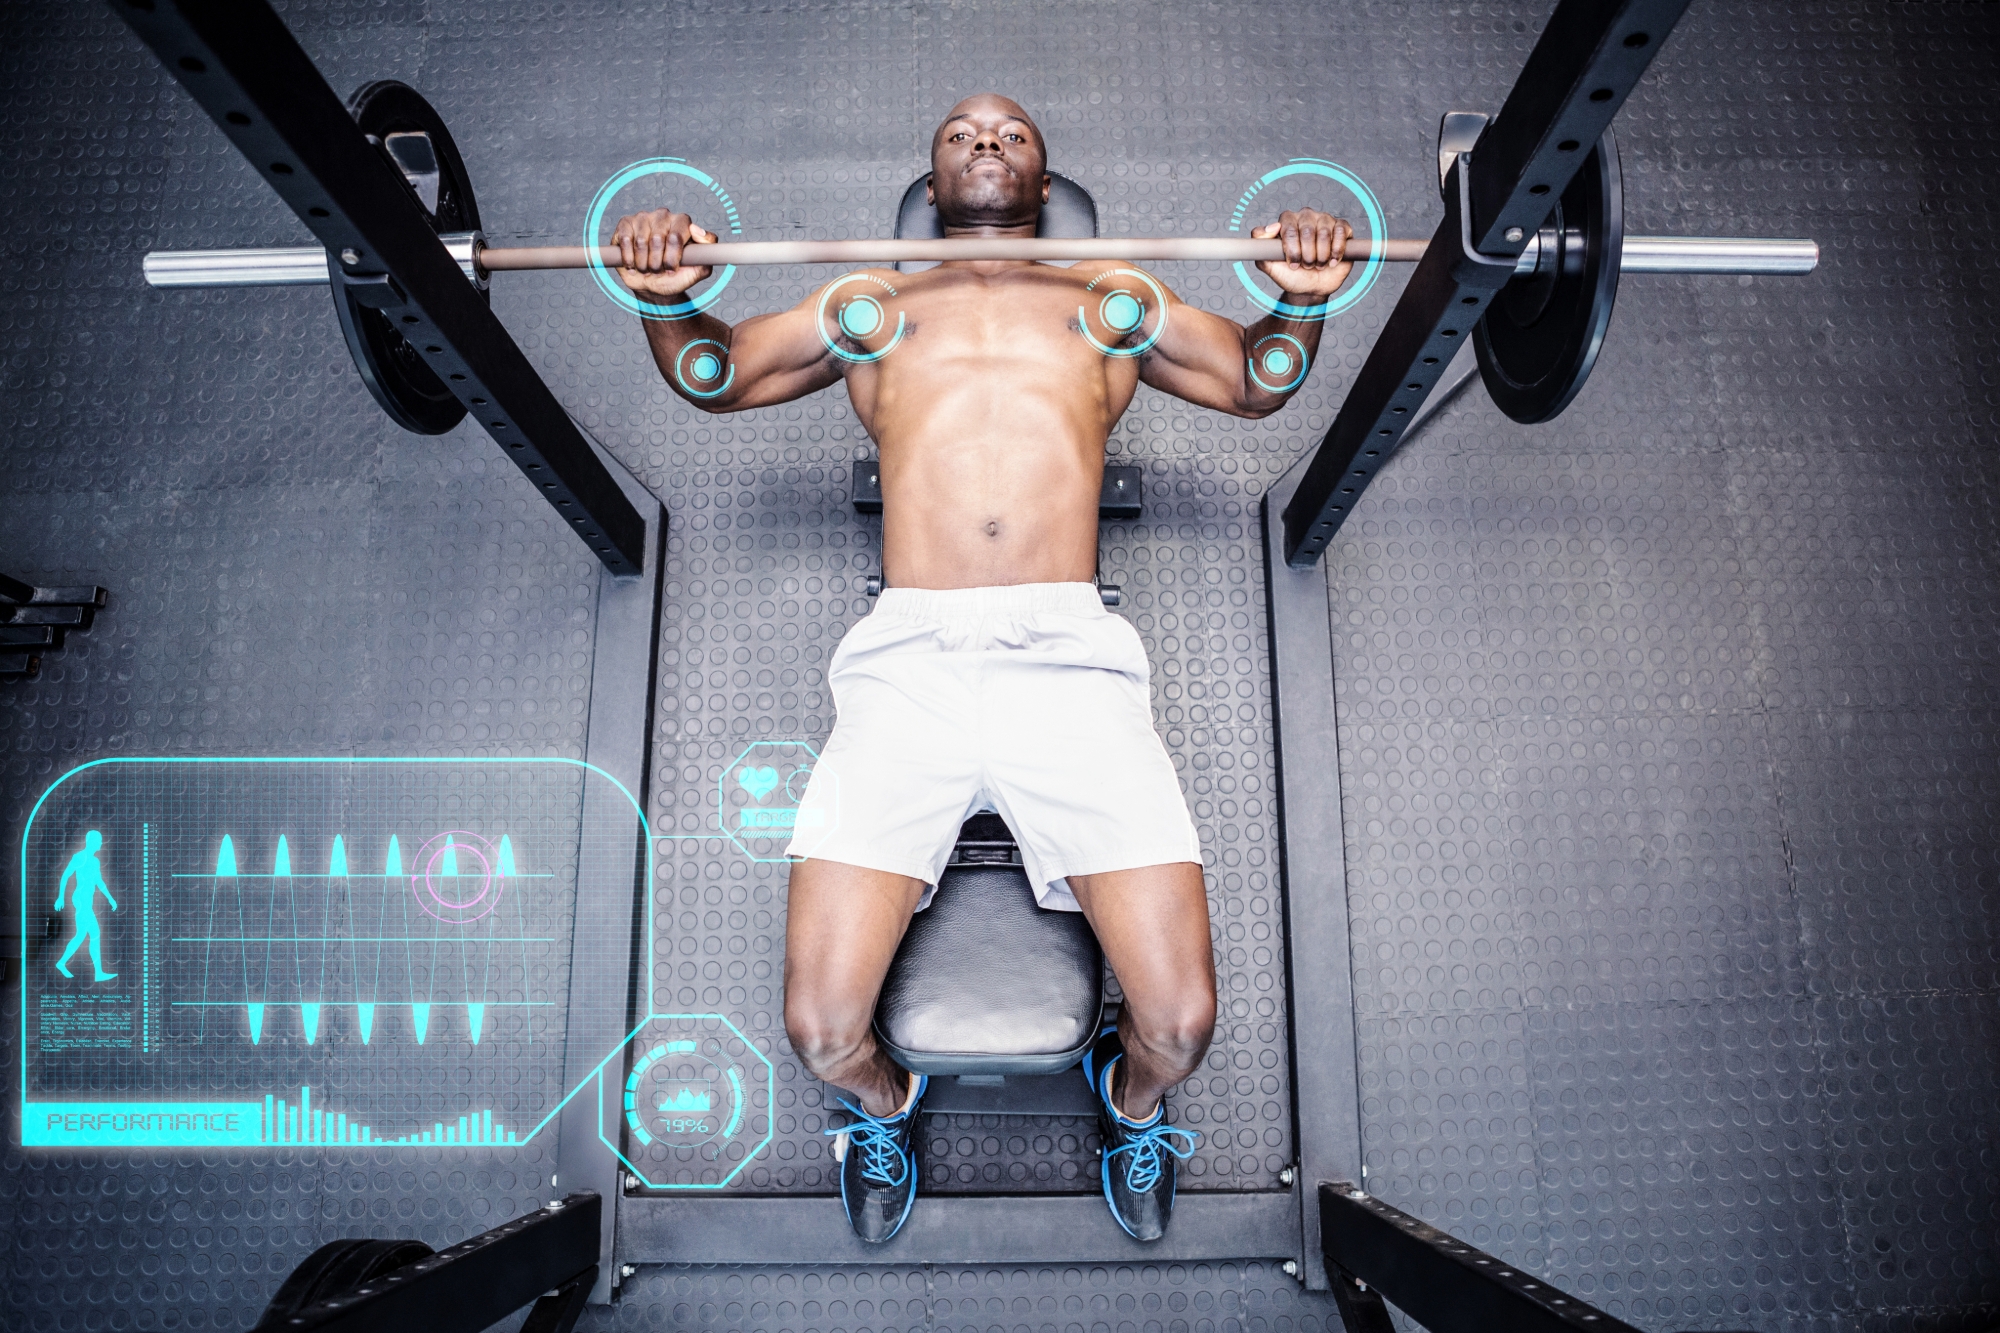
(463, 895)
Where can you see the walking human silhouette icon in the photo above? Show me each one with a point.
(89, 875)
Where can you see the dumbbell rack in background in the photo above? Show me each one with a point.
(35, 621)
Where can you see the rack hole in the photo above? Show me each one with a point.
(433, 347)
(1451, 333)
(237, 118)
(409, 319)
(1567, 146)
(191, 65)
(1637, 40)
(1470, 300)
(1538, 189)
(1430, 360)
(317, 212)
(1601, 95)
(281, 168)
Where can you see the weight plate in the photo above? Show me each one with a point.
(1539, 338)
(394, 371)
(338, 1267)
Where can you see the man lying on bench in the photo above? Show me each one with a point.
(990, 671)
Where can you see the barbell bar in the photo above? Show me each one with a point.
(307, 265)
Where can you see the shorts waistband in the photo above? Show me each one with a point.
(1013, 599)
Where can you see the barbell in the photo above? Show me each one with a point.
(1536, 343)
(306, 265)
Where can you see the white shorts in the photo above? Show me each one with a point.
(1029, 700)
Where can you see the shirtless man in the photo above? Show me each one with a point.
(989, 672)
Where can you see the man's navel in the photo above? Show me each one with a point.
(993, 527)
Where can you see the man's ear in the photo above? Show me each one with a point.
(930, 190)
(1046, 180)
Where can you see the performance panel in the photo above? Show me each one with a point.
(342, 952)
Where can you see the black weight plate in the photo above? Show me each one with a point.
(1540, 337)
(394, 371)
(337, 1267)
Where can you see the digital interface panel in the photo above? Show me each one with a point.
(300, 952)
(370, 953)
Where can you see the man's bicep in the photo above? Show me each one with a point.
(1198, 358)
(776, 358)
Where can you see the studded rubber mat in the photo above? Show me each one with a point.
(1668, 749)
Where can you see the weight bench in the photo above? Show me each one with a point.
(991, 995)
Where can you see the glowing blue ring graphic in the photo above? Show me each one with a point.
(1120, 311)
(1111, 314)
(593, 223)
(704, 366)
(1278, 361)
(1371, 267)
(861, 317)
(870, 307)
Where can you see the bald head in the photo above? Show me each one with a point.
(989, 167)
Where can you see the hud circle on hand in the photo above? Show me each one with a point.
(1371, 208)
(679, 307)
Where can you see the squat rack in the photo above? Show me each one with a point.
(240, 63)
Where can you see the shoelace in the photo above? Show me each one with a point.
(883, 1162)
(1142, 1170)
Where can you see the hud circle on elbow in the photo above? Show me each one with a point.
(853, 321)
(1122, 304)
(1294, 186)
(703, 370)
(679, 307)
(1278, 363)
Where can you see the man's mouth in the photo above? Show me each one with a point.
(988, 161)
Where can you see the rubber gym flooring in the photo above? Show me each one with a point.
(1669, 766)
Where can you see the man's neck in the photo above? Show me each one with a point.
(1019, 231)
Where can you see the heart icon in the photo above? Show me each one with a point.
(757, 781)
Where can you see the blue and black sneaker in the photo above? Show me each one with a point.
(878, 1166)
(1138, 1156)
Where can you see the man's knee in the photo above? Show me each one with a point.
(1180, 1034)
(824, 1036)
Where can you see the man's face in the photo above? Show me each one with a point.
(988, 165)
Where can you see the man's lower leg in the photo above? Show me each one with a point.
(1145, 1074)
(878, 1083)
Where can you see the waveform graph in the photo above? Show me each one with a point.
(392, 935)
(359, 942)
